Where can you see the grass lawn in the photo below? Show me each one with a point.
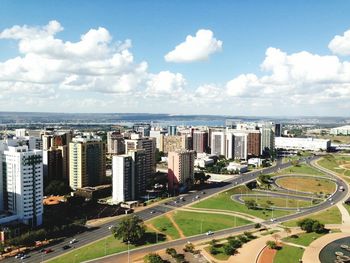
(332, 162)
(278, 202)
(328, 216)
(300, 169)
(303, 239)
(223, 201)
(191, 223)
(221, 255)
(288, 254)
(164, 225)
(304, 184)
(270, 232)
(94, 250)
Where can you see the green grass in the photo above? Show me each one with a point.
(288, 254)
(221, 254)
(269, 232)
(93, 250)
(332, 162)
(191, 223)
(299, 169)
(223, 201)
(303, 239)
(279, 202)
(307, 184)
(328, 216)
(164, 225)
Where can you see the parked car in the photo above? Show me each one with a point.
(209, 233)
(73, 241)
(24, 257)
(19, 255)
(47, 251)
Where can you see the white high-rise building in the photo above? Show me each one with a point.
(23, 175)
(218, 143)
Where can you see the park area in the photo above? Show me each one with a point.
(339, 164)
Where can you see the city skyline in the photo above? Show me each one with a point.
(232, 58)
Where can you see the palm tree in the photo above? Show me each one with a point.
(130, 229)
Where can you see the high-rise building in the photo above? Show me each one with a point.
(253, 143)
(218, 143)
(142, 128)
(240, 146)
(115, 143)
(22, 184)
(172, 130)
(52, 165)
(200, 141)
(149, 145)
(174, 143)
(278, 130)
(129, 176)
(267, 140)
(87, 162)
(180, 168)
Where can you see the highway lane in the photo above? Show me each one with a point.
(103, 231)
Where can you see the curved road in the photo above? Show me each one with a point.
(103, 231)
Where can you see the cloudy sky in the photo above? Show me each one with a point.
(180, 57)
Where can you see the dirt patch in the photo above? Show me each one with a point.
(345, 166)
(267, 255)
(169, 216)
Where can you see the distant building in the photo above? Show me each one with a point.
(343, 130)
(142, 128)
(267, 140)
(302, 144)
(218, 143)
(87, 162)
(200, 141)
(174, 143)
(115, 143)
(53, 165)
(254, 143)
(180, 168)
(172, 130)
(240, 146)
(236, 167)
(278, 130)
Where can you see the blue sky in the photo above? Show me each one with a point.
(245, 28)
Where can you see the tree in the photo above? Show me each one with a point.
(130, 229)
(189, 247)
(265, 180)
(213, 250)
(251, 204)
(57, 187)
(310, 225)
(171, 251)
(200, 177)
(153, 258)
(229, 250)
(272, 244)
(276, 237)
(235, 243)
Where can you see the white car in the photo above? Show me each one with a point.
(209, 233)
(24, 257)
(72, 241)
(110, 227)
(272, 220)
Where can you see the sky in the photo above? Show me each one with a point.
(228, 57)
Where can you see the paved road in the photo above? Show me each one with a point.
(103, 231)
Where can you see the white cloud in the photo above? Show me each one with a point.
(341, 44)
(165, 82)
(196, 48)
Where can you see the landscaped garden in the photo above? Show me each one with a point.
(288, 254)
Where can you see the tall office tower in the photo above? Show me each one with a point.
(52, 165)
(200, 141)
(129, 179)
(218, 143)
(172, 130)
(278, 130)
(87, 162)
(157, 134)
(187, 142)
(267, 141)
(240, 146)
(253, 144)
(115, 143)
(22, 178)
(149, 145)
(142, 128)
(180, 168)
(56, 139)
